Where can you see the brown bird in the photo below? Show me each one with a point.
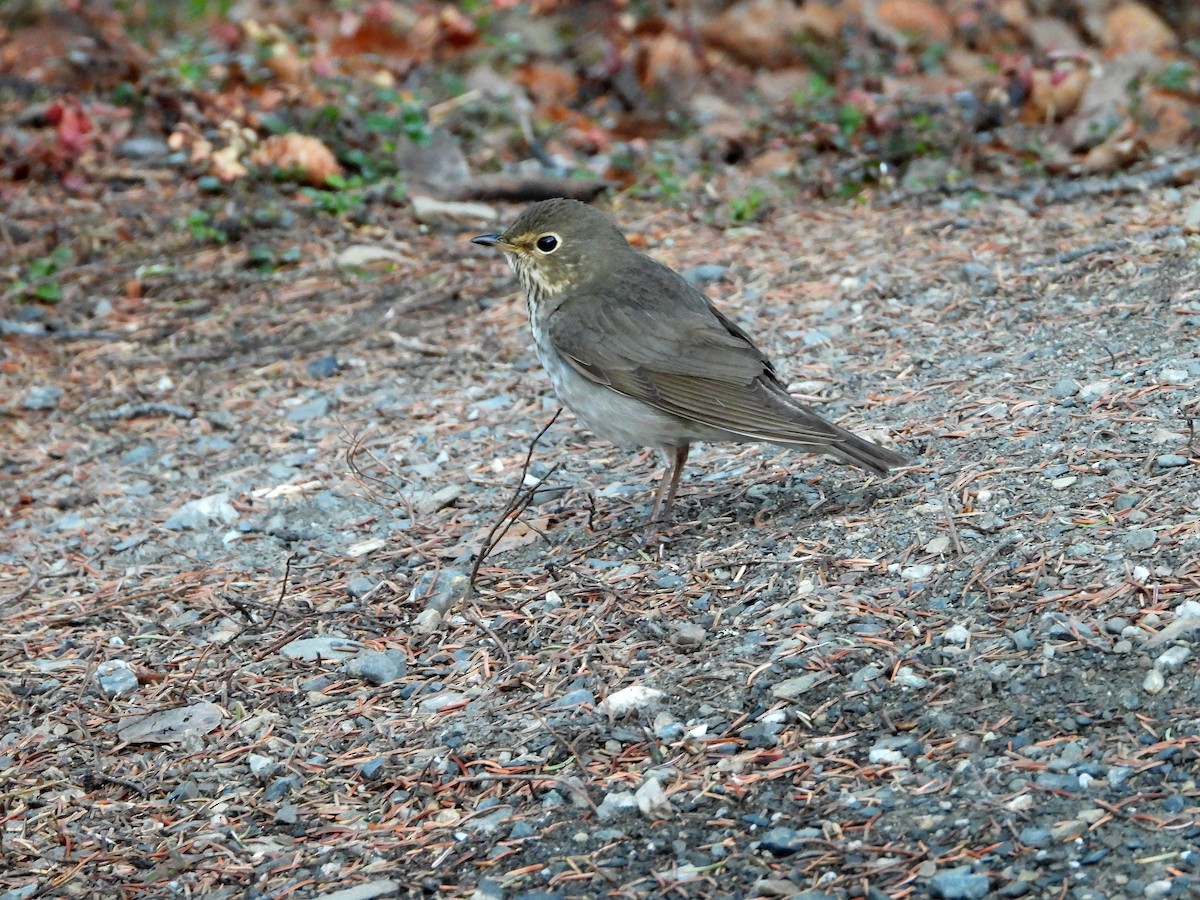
(643, 358)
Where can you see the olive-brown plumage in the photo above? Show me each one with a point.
(643, 358)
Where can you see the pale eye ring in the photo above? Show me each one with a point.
(548, 243)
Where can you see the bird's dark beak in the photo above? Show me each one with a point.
(491, 240)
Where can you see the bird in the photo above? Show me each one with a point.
(643, 358)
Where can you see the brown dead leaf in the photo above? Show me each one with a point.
(1122, 147)
(1169, 120)
(548, 84)
(306, 156)
(759, 32)
(822, 20)
(915, 22)
(669, 62)
(1054, 94)
(1132, 26)
(226, 165)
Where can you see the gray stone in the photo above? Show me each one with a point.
(704, 274)
(42, 396)
(327, 648)
(1035, 837)
(371, 890)
(791, 688)
(615, 803)
(1171, 461)
(378, 667)
(491, 821)
(312, 409)
(116, 677)
(1139, 539)
(959, 884)
(262, 766)
(197, 514)
(359, 587)
(783, 841)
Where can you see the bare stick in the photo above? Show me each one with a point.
(517, 504)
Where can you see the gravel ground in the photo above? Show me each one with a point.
(241, 508)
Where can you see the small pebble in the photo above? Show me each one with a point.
(959, 884)
(783, 841)
(704, 274)
(636, 696)
(1171, 461)
(918, 572)
(116, 677)
(1173, 659)
(262, 766)
(378, 667)
(359, 587)
(615, 803)
(43, 396)
(322, 367)
(1067, 831)
(956, 634)
(1154, 682)
(1139, 539)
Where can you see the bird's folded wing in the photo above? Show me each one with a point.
(689, 361)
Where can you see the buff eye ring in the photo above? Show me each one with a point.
(547, 243)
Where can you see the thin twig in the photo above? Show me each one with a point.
(521, 499)
(948, 509)
(287, 570)
(35, 575)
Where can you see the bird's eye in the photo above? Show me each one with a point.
(547, 243)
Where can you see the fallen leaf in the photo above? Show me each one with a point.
(1132, 26)
(300, 154)
(916, 22)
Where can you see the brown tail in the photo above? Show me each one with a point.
(865, 454)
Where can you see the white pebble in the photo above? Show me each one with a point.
(636, 696)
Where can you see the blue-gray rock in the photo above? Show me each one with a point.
(326, 648)
(22, 892)
(1064, 389)
(575, 699)
(959, 884)
(73, 521)
(372, 768)
(42, 396)
(521, 830)
(488, 889)
(378, 667)
(704, 274)
(783, 841)
(359, 587)
(1171, 461)
(262, 766)
(1035, 837)
(281, 787)
(1139, 539)
(312, 409)
(490, 822)
(115, 677)
(142, 147)
(323, 367)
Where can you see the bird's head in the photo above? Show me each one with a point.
(555, 244)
